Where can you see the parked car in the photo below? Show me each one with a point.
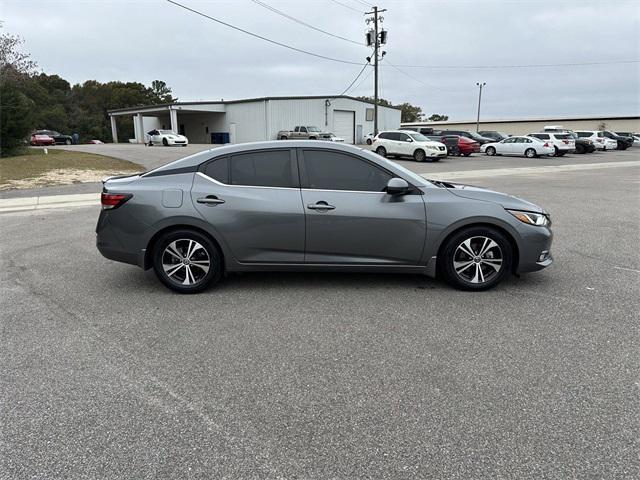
(166, 138)
(96, 142)
(466, 146)
(623, 142)
(426, 131)
(407, 143)
(58, 137)
(38, 140)
(563, 143)
(636, 140)
(600, 141)
(470, 135)
(330, 137)
(308, 132)
(311, 206)
(450, 141)
(583, 145)
(529, 147)
(495, 135)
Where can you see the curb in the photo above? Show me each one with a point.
(48, 202)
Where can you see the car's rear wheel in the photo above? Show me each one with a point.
(165, 142)
(369, 142)
(530, 153)
(381, 151)
(187, 261)
(580, 149)
(476, 258)
(466, 154)
(491, 151)
(283, 137)
(67, 141)
(419, 155)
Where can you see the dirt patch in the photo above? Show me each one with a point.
(60, 176)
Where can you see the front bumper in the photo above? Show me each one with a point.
(535, 250)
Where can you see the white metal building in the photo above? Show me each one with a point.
(258, 119)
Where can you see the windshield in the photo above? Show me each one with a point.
(418, 137)
(313, 129)
(167, 132)
(475, 135)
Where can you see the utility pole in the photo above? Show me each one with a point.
(479, 100)
(376, 38)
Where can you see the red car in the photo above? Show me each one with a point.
(41, 140)
(467, 146)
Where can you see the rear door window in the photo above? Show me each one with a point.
(562, 136)
(218, 170)
(329, 170)
(272, 168)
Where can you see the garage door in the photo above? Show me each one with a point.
(344, 125)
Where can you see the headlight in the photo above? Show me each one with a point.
(432, 147)
(531, 218)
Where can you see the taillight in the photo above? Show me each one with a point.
(566, 142)
(546, 144)
(110, 201)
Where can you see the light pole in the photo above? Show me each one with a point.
(479, 100)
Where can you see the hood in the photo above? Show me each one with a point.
(486, 195)
(432, 143)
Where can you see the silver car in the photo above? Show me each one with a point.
(314, 206)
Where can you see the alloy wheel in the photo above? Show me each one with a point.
(478, 259)
(185, 262)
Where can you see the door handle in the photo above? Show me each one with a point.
(210, 200)
(320, 206)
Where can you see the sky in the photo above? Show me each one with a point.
(200, 59)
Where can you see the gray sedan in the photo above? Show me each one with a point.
(314, 206)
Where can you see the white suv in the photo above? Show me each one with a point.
(561, 142)
(408, 143)
(599, 140)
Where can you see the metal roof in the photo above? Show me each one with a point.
(246, 100)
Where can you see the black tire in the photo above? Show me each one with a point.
(68, 141)
(580, 149)
(369, 142)
(284, 137)
(150, 143)
(466, 154)
(561, 154)
(451, 251)
(530, 153)
(557, 154)
(174, 278)
(419, 155)
(165, 142)
(491, 151)
(381, 151)
(185, 145)
(313, 138)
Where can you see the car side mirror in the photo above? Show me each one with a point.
(409, 140)
(397, 186)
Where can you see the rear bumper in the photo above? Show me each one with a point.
(110, 246)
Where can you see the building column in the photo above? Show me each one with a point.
(173, 114)
(139, 128)
(114, 129)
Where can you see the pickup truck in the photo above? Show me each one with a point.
(302, 133)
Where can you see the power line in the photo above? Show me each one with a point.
(346, 6)
(295, 49)
(411, 76)
(368, 5)
(355, 79)
(279, 12)
(536, 65)
(363, 80)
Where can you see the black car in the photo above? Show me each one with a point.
(495, 135)
(451, 142)
(463, 133)
(59, 138)
(584, 145)
(623, 142)
(628, 136)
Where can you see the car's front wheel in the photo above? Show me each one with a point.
(381, 151)
(165, 142)
(491, 151)
(187, 261)
(476, 258)
(419, 155)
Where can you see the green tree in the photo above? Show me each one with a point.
(436, 117)
(410, 113)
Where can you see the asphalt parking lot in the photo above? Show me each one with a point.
(106, 374)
